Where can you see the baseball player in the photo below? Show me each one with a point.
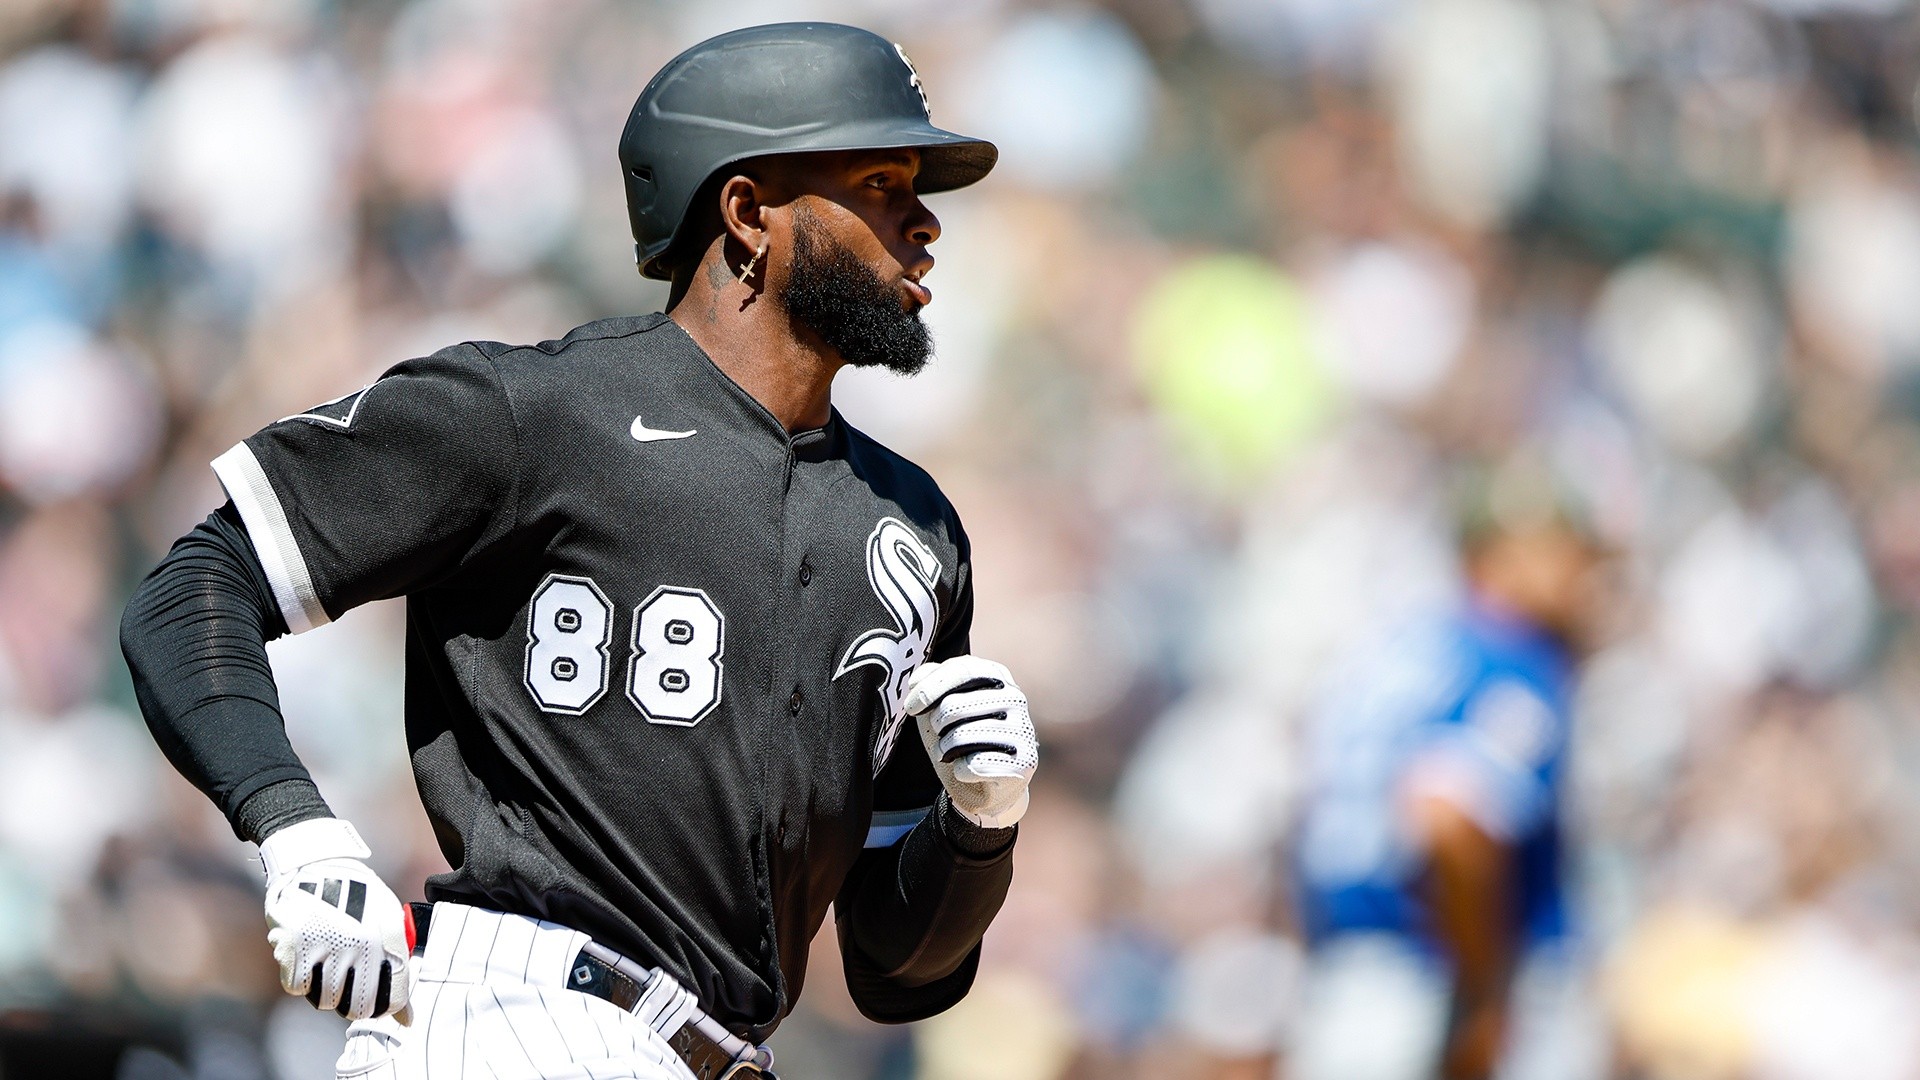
(667, 615)
(1429, 852)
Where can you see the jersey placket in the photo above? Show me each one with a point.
(798, 518)
(788, 695)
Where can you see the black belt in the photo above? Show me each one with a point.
(590, 974)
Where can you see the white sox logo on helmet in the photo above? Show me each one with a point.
(913, 79)
(903, 572)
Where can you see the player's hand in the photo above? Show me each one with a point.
(974, 722)
(341, 937)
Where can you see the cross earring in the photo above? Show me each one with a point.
(747, 270)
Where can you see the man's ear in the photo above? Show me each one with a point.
(742, 210)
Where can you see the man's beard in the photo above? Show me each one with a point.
(831, 292)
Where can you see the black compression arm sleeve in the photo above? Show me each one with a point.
(195, 636)
(910, 916)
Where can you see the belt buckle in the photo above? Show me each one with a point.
(746, 1066)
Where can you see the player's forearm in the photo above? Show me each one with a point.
(1467, 888)
(194, 635)
(916, 910)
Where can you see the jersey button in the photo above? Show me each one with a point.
(806, 574)
(795, 702)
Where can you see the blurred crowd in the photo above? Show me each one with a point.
(1267, 304)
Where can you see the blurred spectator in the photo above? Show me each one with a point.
(1430, 851)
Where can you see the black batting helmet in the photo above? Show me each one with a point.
(773, 90)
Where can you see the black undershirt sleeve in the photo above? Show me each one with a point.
(394, 485)
(910, 916)
(194, 635)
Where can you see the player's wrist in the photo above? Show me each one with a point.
(278, 805)
(311, 841)
(967, 836)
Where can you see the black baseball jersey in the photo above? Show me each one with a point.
(656, 646)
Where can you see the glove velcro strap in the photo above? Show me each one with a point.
(309, 842)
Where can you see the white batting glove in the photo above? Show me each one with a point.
(340, 935)
(974, 722)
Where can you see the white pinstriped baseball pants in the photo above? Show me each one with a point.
(490, 1002)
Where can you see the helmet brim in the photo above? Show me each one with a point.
(948, 161)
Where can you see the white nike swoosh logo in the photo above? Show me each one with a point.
(642, 433)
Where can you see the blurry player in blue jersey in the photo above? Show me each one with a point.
(1429, 851)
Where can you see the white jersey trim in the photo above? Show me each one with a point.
(247, 485)
(890, 825)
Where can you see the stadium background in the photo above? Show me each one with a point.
(1256, 283)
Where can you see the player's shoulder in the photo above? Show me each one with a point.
(498, 362)
(449, 384)
(895, 477)
(876, 456)
(1507, 647)
(601, 360)
(585, 341)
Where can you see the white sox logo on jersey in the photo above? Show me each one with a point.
(903, 572)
